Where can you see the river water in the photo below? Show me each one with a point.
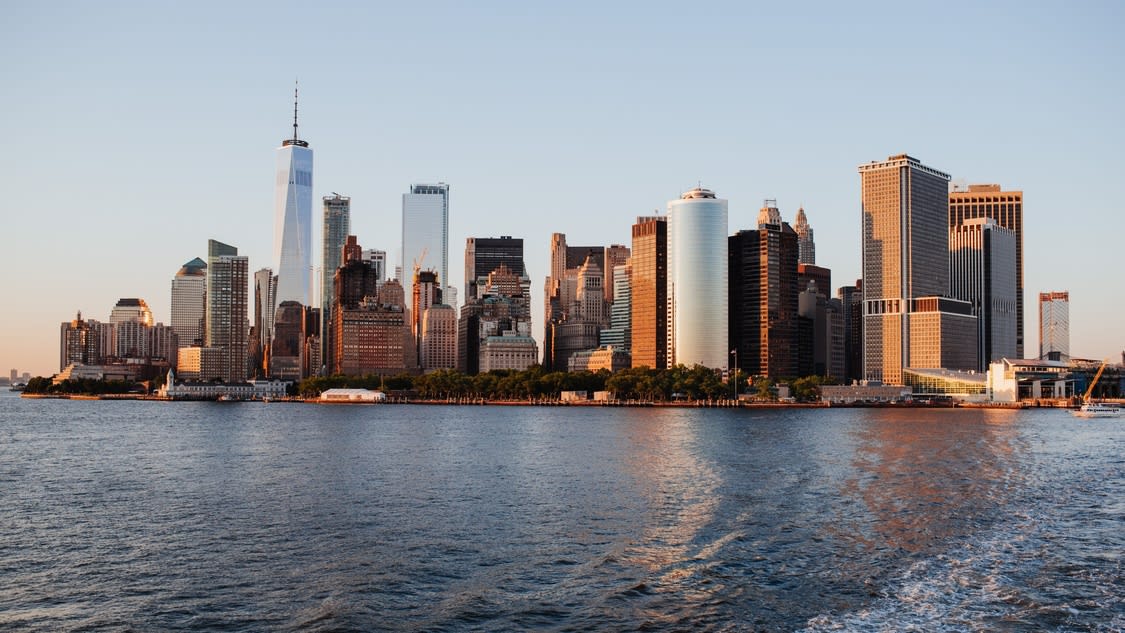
(149, 516)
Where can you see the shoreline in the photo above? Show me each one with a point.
(477, 402)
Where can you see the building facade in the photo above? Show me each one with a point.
(484, 255)
(763, 298)
(982, 264)
(131, 319)
(438, 339)
(619, 333)
(648, 290)
(1054, 326)
(425, 232)
(189, 294)
(79, 343)
(697, 279)
(851, 306)
(806, 247)
(292, 233)
(226, 328)
(905, 250)
(336, 227)
(1006, 208)
(508, 351)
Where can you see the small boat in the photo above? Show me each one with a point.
(1097, 410)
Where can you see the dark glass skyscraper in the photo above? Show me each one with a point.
(763, 300)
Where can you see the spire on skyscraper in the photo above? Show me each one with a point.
(295, 140)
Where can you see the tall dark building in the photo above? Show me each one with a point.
(819, 274)
(226, 325)
(763, 312)
(498, 298)
(485, 254)
(356, 279)
(851, 298)
(337, 226)
(648, 288)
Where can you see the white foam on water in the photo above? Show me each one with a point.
(972, 589)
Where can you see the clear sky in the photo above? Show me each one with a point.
(135, 131)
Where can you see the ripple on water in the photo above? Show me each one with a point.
(147, 516)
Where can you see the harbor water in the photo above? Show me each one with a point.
(155, 516)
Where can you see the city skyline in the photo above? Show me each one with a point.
(591, 139)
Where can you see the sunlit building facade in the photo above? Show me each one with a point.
(226, 332)
(806, 247)
(189, 293)
(697, 279)
(648, 293)
(1054, 326)
(292, 237)
(438, 340)
(905, 249)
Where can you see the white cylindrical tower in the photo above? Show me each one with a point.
(697, 279)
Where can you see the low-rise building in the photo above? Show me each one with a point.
(352, 395)
(609, 358)
(861, 392)
(509, 351)
(250, 390)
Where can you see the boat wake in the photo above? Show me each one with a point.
(1010, 581)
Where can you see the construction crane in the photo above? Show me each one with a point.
(1086, 396)
(419, 259)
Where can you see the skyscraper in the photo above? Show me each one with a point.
(1054, 325)
(438, 341)
(764, 297)
(619, 333)
(905, 265)
(79, 343)
(806, 248)
(131, 321)
(189, 293)
(425, 232)
(851, 300)
(615, 255)
(982, 264)
(1006, 207)
(648, 289)
(498, 302)
(427, 293)
(484, 255)
(564, 331)
(337, 226)
(292, 236)
(226, 323)
(697, 279)
(265, 305)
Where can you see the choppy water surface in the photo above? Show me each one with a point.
(189, 516)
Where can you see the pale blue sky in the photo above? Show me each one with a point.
(136, 131)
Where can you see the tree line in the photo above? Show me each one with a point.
(536, 383)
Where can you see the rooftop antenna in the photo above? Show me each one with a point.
(295, 86)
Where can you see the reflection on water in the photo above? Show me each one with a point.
(926, 476)
(147, 516)
(677, 487)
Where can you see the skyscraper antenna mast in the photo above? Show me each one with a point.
(295, 86)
